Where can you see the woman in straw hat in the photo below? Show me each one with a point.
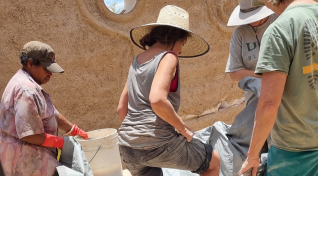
(151, 98)
(246, 39)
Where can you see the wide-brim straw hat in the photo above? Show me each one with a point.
(175, 17)
(256, 3)
(247, 12)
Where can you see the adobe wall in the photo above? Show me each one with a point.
(93, 46)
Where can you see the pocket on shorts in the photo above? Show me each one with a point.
(168, 159)
(172, 154)
(159, 157)
(125, 153)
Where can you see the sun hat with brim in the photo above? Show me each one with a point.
(44, 54)
(245, 13)
(174, 16)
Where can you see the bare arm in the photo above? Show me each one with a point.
(239, 75)
(160, 89)
(39, 139)
(159, 95)
(273, 84)
(122, 109)
(35, 139)
(63, 123)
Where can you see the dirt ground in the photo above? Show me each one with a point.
(93, 46)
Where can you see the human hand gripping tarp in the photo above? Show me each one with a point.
(250, 164)
(70, 155)
(232, 141)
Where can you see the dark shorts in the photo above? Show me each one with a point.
(290, 163)
(179, 154)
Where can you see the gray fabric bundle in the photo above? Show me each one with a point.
(232, 141)
(74, 158)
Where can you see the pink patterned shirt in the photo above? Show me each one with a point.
(26, 110)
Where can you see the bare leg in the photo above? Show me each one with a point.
(214, 169)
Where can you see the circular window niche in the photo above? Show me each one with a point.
(120, 6)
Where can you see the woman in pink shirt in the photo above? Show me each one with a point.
(29, 121)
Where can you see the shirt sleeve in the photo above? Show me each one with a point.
(275, 55)
(235, 60)
(27, 119)
(56, 113)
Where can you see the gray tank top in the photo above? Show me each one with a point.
(142, 128)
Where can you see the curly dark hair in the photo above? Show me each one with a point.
(24, 60)
(165, 35)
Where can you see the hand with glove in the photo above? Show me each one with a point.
(65, 125)
(76, 131)
(53, 141)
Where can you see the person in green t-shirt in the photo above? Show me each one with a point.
(288, 105)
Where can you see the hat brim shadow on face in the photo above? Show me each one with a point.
(239, 18)
(195, 46)
(52, 67)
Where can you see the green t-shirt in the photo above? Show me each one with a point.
(290, 46)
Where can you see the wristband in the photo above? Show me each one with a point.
(69, 132)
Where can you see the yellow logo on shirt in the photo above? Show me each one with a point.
(310, 51)
(311, 68)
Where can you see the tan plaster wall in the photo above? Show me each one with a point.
(93, 46)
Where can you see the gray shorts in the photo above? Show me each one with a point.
(179, 154)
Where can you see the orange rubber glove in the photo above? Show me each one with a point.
(76, 131)
(53, 141)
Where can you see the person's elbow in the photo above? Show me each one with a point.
(156, 102)
(122, 112)
(234, 76)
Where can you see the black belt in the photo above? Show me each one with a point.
(249, 10)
